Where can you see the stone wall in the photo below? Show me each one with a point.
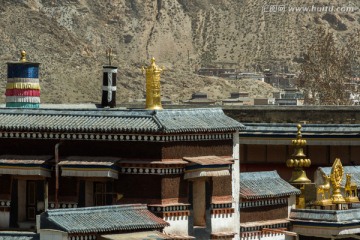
(295, 114)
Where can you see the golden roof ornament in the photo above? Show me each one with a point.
(153, 95)
(337, 172)
(298, 160)
(23, 56)
(350, 190)
(323, 191)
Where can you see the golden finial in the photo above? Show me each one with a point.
(108, 54)
(23, 56)
(298, 160)
(153, 95)
(337, 172)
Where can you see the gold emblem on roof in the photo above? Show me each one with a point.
(153, 95)
(298, 160)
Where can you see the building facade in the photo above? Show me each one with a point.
(182, 163)
(265, 204)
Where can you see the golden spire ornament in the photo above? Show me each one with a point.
(23, 56)
(153, 95)
(298, 160)
(337, 172)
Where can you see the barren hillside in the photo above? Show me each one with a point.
(70, 37)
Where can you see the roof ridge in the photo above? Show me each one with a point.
(60, 211)
(259, 175)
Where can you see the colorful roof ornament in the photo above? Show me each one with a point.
(23, 88)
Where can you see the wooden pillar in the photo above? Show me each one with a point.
(199, 203)
(46, 194)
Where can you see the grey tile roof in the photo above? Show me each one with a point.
(255, 185)
(19, 236)
(197, 120)
(332, 216)
(132, 217)
(354, 171)
(117, 120)
(307, 130)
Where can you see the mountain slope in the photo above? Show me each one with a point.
(70, 37)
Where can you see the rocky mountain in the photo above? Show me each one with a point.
(70, 38)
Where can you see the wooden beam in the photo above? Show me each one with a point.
(280, 231)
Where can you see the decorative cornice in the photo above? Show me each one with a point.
(265, 202)
(170, 210)
(221, 208)
(259, 234)
(63, 205)
(149, 170)
(116, 137)
(253, 230)
(5, 203)
(82, 237)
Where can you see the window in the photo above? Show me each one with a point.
(100, 194)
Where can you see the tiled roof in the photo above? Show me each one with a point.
(19, 236)
(319, 215)
(354, 171)
(197, 120)
(117, 120)
(307, 130)
(254, 185)
(132, 217)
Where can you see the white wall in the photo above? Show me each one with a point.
(236, 186)
(178, 225)
(291, 203)
(222, 223)
(47, 234)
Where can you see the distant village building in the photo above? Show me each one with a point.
(200, 98)
(264, 101)
(218, 72)
(282, 81)
(238, 98)
(250, 75)
(289, 96)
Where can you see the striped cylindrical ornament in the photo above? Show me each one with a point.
(109, 87)
(23, 88)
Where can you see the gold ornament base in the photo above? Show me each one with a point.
(299, 177)
(337, 198)
(324, 202)
(352, 200)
